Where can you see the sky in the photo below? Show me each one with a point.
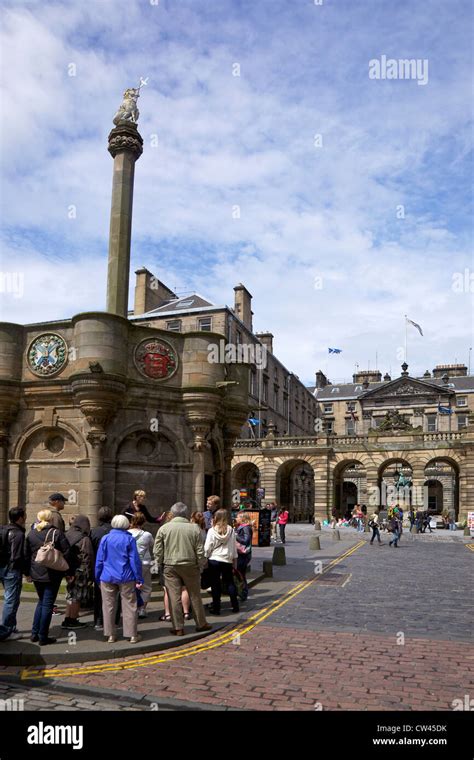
(271, 157)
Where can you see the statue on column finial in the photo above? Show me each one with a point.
(128, 110)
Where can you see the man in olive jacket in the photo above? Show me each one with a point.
(179, 547)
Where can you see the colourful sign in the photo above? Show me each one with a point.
(47, 354)
(156, 359)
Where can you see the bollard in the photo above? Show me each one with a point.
(267, 568)
(467, 531)
(317, 525)
(336, 536)
(314, 543)
(279, 556)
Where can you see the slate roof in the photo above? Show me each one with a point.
(178, 306)
(354, 390)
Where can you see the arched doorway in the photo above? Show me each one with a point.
(349, 480)
(444, 473)
(434, 496)
(395, 484)
(295, 489)
(246, 481)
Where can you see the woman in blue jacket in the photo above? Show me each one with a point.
(118, 570)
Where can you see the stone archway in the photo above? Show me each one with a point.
(246, 479)
(434, 496)
(443, 471)
(48, 462)
(395, 482)
(350, 479)
(295, 489)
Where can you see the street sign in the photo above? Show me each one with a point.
(470, 522)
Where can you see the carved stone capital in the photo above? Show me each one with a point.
(96, 438)
(125, 137)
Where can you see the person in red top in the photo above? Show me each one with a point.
(283, 517)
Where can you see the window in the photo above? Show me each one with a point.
(350, 406)
(275, 397)
(350, 427)
(205, 324)
(329, 427)
(461, 401)
(174, 325)
(431, 423)
(253, 384)
(238, 337)
(335, 390)
(265, 391)
(327, 408)
(462, 421)
(285, 382)
(276, 374)
(285, 405)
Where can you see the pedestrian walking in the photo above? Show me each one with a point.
(119, 571)
(212, 505)
(374, 524)
(185, 600)
(451, 520)
(12, 567)
(81, 562)
(411, 518)
(273, 521)
(360, 520)
(104, 526)
(283, 517)
(394, 528)
(144, 541)
(46, 580)
(179, 548)
(138, 505)
(221, 551)
(243, 537)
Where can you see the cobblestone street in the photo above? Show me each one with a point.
(385, 629)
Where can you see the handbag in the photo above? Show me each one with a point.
(205, 578)
(48, 556)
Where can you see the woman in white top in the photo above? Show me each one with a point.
(221, 551)
(144, 541)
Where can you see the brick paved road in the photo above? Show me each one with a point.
(336, 647)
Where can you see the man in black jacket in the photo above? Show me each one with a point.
(104, 516)
(12, 567)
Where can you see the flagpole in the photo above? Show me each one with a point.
(406, 339)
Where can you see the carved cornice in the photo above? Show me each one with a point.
(98, 398)
(125, 137)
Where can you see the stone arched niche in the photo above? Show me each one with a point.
(48, 463)
(147, 461)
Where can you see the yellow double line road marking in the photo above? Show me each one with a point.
(227, 637)
(470, 546)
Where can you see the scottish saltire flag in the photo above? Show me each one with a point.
(334, 350)
(252, 421)
(415, 325)
(444, 409)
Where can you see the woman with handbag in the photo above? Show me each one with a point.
(46, 558)
(243, 537)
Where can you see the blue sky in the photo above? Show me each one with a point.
(306, 212)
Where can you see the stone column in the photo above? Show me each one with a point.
(96, 440)
(199, 446)
(126, 146)
(3, 477)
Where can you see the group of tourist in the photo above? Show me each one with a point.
(109, 567)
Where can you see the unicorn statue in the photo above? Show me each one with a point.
(128, 110)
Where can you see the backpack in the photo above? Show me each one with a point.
(4, 546)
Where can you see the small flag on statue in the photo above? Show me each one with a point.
(415, 325)
(334, 350)
(252, 421)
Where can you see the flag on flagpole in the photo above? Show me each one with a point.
(415, 325)
(444, 409)
(252, 421)
(354, 416)
(334, 350)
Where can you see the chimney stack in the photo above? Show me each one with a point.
(321, 379)
(243, 305)
(267, 340)
(125, 147)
